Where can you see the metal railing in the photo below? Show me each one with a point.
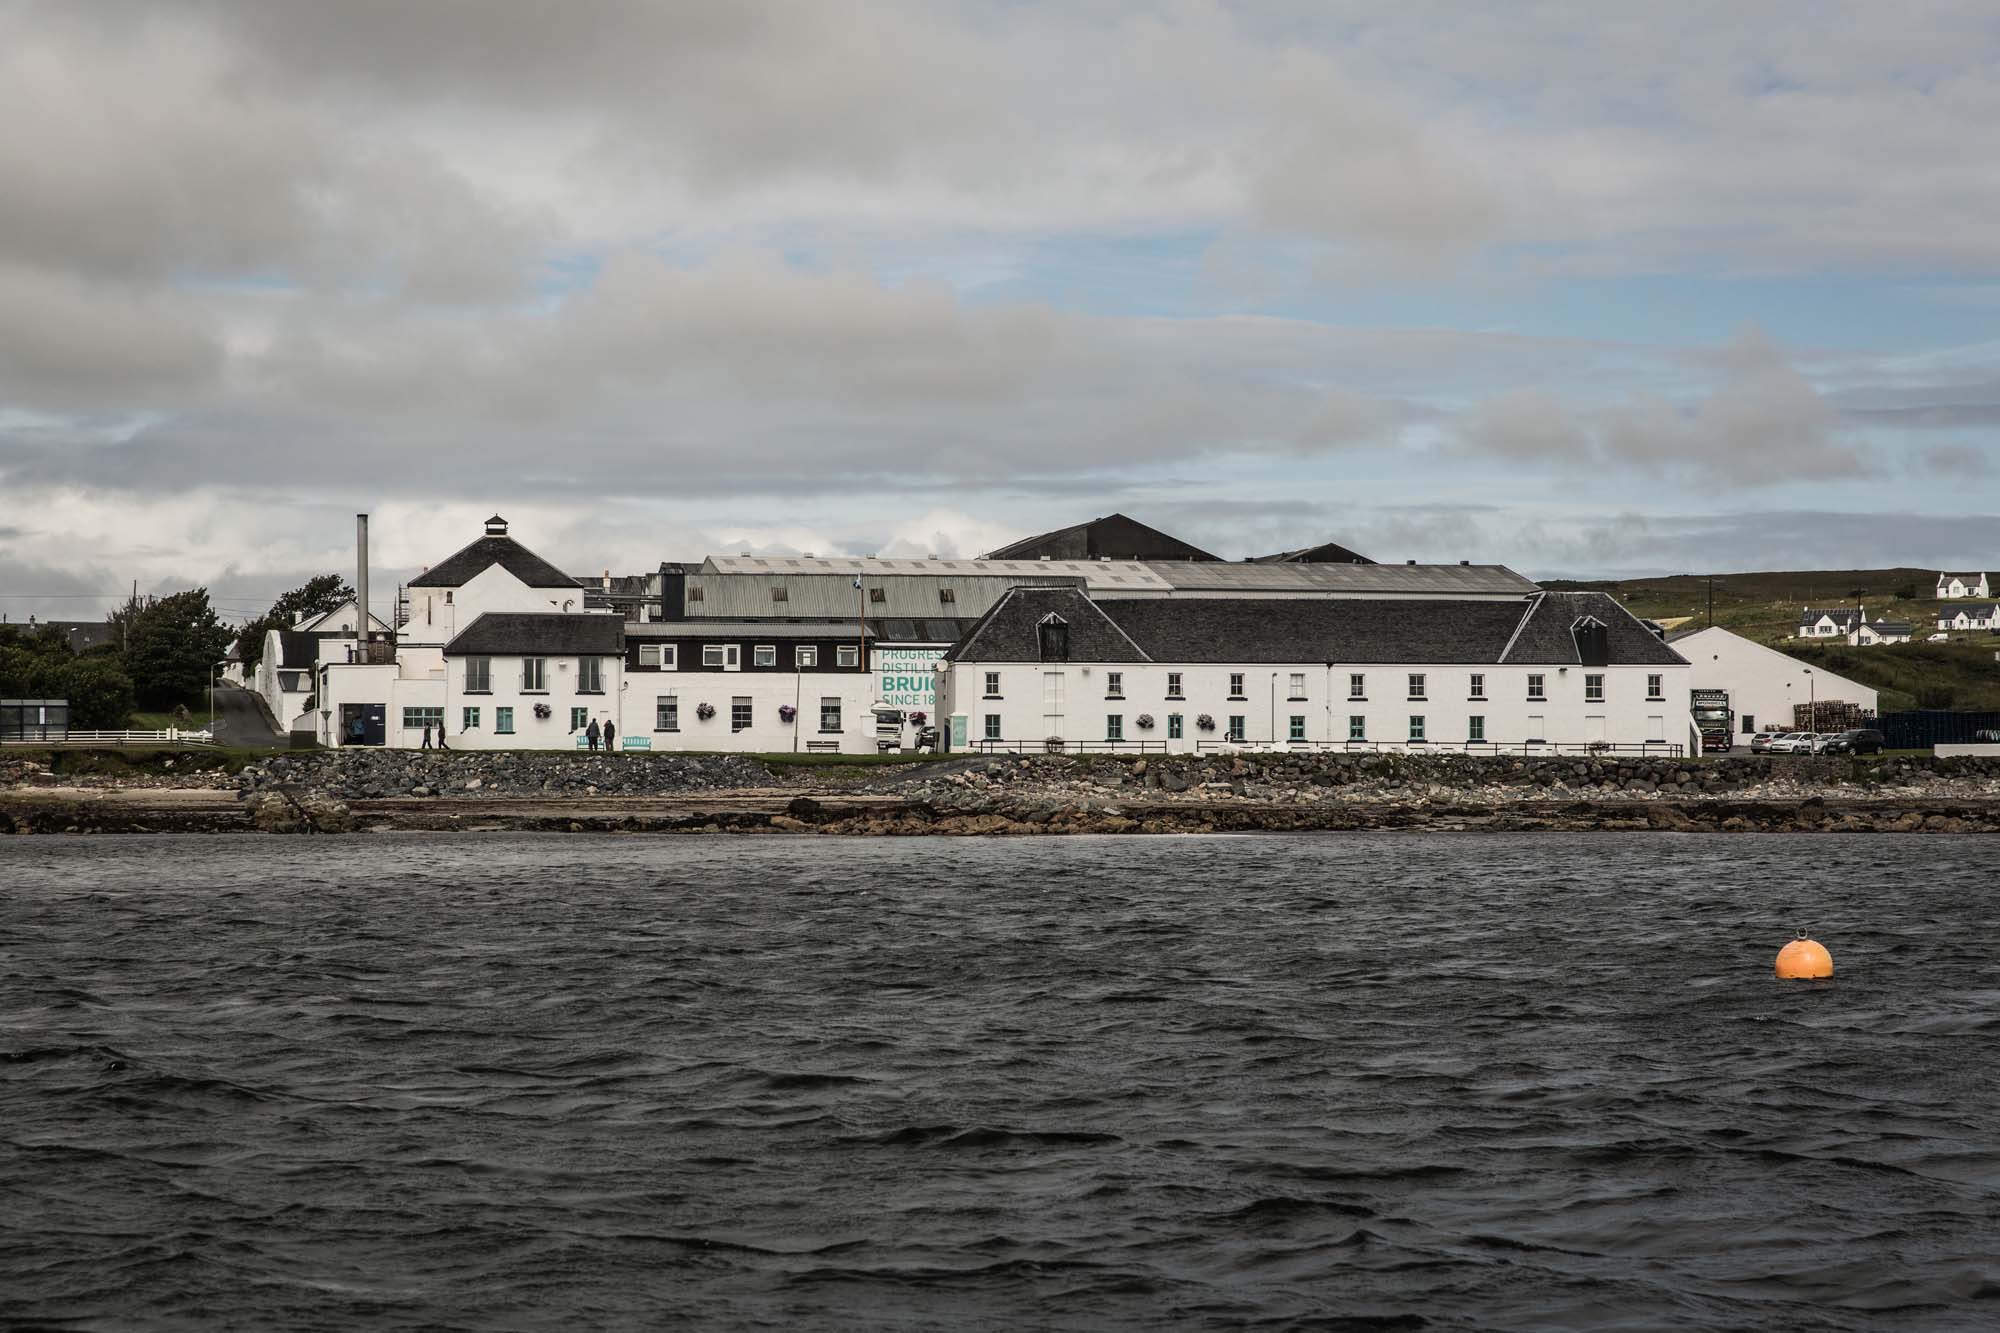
(1058, 746)
(173, 736)
(1642, 749)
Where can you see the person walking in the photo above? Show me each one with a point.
(591, 734)
(427, 736)
(441, 744)
(609, 732)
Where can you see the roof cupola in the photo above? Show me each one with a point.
(496, 526)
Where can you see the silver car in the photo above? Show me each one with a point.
(1793, 742)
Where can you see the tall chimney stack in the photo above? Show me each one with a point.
(360, 584)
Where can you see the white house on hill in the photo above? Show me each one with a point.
(1826, 622)
(1981, 616)
(1950, 587)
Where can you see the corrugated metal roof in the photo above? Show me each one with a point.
(1135, 574)
(1349, 580)
(748, 595)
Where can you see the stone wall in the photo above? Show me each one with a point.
(355, 774)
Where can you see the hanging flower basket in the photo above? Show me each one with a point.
(1205, 722)
(919, 717)
(1143, 722)
(786, 712)
(544, 711)
(704, 711)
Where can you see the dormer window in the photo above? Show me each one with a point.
(1053, 633)
(1593, 641)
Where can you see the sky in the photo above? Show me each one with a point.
(1586, 289)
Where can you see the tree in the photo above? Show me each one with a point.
(1907, 593)
(175, 642)
(328, 592)
(98, 690)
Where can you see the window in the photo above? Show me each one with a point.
(1357, 686)
(1054, 637)
(696, 594)
(468, 719)
(765, 655)
(1235, 732)
(579, 718)
(739, 714)
(667, 712)
(1114, 726)
(1478, 690)
(829, 712)
(503, 721)
(993, 685)
(1749, 725)
(780, 595)
(1236, 684)
(1656, 686)
(847, 655)
(535, 675)
(1357, 727)
(878, 595)
(947, 595)
(1536, 682)
(1174, 685)
(1298, 685)
(1298, 728)
(670, 656)
(1114, 684)
(805, 658)
(992, 726)
(1593, 687)
(479, 675)
(711, 654)
(1475, 728)
(423, 717)
(649, 654)
(590, 675)
(1416, 684)
(1173, 726)
(1416, 726)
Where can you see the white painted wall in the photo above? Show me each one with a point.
(1029, 712)
(767, 693)
(1762, 682)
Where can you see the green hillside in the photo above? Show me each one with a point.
(1765, 606)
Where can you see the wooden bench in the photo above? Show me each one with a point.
(828, 747)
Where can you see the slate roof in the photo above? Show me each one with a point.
(1531, 631)
(1891, 626)
(1544, 637)
(1307, 580)
(1328, 553)
(1977, 610)
(296, 648)
(1841, 615)
(1115, 536)
(462, 566)
(1009, 631)
(541, 634)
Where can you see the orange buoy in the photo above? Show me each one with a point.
(1804, 960)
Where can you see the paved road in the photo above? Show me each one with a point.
(242, 719)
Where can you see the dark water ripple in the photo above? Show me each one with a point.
(1353, 1082)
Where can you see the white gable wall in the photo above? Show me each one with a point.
(1763, 683)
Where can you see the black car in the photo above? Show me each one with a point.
(1862, 741)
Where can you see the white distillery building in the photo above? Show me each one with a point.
(286, 675)
(1763, 684)
(1951, 587)
(496, 651)
(1050, 667)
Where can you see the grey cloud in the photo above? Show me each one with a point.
(1959, 460)
(70, 341)
(1764, 424)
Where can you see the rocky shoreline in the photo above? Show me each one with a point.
(349, 791)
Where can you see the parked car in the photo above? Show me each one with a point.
(1858, 741)
(1761, 742)
(1793, 742)
(1938, 638)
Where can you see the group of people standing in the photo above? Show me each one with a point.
(593, 733)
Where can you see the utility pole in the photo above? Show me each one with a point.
(1711, 602)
